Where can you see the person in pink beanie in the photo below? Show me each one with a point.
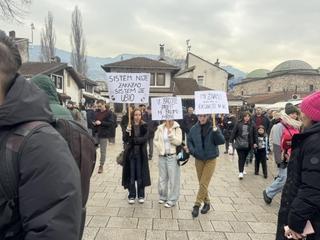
(300, 200)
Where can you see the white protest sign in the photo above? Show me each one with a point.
(129, 87)
(209, 102)
(166, 108)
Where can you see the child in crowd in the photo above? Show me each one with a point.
(261, 151)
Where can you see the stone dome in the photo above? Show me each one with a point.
(292, 65)
(258, 73)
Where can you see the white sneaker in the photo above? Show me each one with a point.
(168, 205)
(161, 201)
(131, 201)
(244, 173)
(240, 176)
(141, 200)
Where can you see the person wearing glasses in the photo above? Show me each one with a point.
(203, 142)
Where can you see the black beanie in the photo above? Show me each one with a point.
(290, 108)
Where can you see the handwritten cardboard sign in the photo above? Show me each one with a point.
(209, 102)
(166, 108)
(128, 87)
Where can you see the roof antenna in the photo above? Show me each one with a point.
(188, 45)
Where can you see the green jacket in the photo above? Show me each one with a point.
(47, 85)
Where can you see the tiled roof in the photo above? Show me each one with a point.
(30, 69)
(185, 86)
(35, 68)
(272, 98)
(140, 62)
(229, 74)
(190, 69)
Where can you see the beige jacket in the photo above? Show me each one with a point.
(175, 138)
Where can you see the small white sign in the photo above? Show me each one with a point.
(166, 108)
(129, 87)
(210, 102)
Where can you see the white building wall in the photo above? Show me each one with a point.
(214, 77)
(73, 90)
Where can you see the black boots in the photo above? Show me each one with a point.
(205, 209)
(195, 211)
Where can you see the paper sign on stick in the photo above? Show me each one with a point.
(128, 87)
(209, 102)
(166, 108)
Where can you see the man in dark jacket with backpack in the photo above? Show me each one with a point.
(41, 197)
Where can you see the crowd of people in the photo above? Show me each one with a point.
(45, 161)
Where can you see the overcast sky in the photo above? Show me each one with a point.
(247, 34)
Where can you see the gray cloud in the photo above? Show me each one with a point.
(248, 34)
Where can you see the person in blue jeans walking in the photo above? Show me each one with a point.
(287, 119)
(167, 137)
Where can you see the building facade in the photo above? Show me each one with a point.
(161, 82)
(294, 76)
(68, 82)
(206, 74)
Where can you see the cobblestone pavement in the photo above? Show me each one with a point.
(239, 211)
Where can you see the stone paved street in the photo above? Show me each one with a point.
(239, 211)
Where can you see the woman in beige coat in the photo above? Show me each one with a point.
(167, 137)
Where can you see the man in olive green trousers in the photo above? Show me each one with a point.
(203, 142)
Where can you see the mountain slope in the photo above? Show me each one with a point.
(95, 72)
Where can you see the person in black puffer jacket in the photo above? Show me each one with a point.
(301, 194)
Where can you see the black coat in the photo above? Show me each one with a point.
(228, 126)
(131, 142)
(106, 129)
(115, 125)
(49, 179)
(152, 125)
(188, 122)
(237, 133)
(301, 194)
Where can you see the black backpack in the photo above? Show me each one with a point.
(81, 145)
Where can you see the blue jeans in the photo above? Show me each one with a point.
(169, 179)
(278, 183)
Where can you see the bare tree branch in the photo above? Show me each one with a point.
(175, 57)
(78, 43)
(13, 9)
(48, 40)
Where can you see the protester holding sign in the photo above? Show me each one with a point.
(167, 137)
(135, 164)
(203, 142)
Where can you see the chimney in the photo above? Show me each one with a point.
(55, 59)
(217, 63)
(12, 34)
(162, 55)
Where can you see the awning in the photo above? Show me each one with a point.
(89, 96)
(64, 96)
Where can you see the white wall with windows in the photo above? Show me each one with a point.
(206, 74)
(160, 80)
(71, 88)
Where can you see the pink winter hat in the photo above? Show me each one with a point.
(310, 106)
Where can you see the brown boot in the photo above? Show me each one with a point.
(100, 169)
